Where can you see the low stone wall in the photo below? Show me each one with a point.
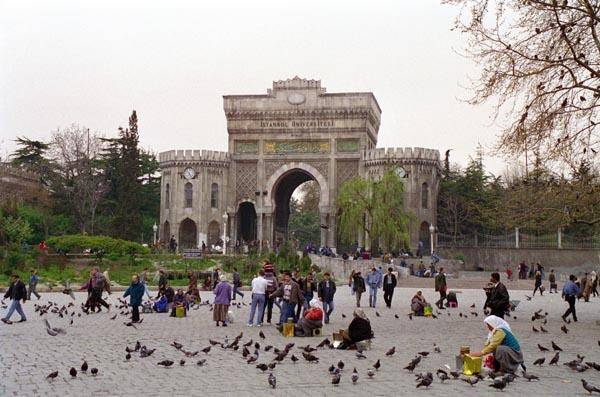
(498, 258)
(341, 268)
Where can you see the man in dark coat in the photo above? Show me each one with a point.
(135, 293)
(389, 283)
(16, 292)
(441, 286)
(326, 291)
(498, 301)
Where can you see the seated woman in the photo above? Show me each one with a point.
(502, 344)
(312, 319)
(418, 304)
(358, 331)
(179, 301)
(161, 305)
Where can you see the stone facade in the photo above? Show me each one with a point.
(277, 141)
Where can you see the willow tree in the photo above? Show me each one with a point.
(375, 207)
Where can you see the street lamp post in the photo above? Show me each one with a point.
(431, 232)
(155, 229)
(225, 216)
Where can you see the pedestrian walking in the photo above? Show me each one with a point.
(498, 299)
(237, 284)
(569, 293)
(33, 281)
(326, 291)
(552, 280)
(374, 282)
(17, 293)
(222, 301)
(358, 286)
(538, 283)
(135, 292)
(389, 284)
(259, 289)
(441, 287)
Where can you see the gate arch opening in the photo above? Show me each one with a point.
(188, 234)
(247, 223)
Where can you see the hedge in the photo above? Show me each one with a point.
(77, 243)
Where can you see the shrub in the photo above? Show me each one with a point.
(460, 257)
(101, 245)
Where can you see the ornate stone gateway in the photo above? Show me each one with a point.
(295, 133)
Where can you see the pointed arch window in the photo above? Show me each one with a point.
(425, 196)
(214, 195)
(189, 195)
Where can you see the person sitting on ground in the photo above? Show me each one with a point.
(418, 304)
(178, 301)
(312, 319)
(161, 305)
(502, 344)
(359, 330)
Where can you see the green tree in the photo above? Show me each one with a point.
(377, 208)
(32, 155)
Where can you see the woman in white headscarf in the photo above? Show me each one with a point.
(502, 344)
(311, 320)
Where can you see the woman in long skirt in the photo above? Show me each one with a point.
(222, 300)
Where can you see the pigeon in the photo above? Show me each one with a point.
(53, 331)
(377, 365)
(201, 362)
(113, 317)
(370, 373)
(391, 352)
(443, 375)
(73, 372)
(251, 359)
(354, 376)
(360, 355)
(94, 371)
(395, 315)
(130, 324)
(499, 384)
(272, 380)
(310, 358)
(272, 365)
(262, 335)
(377, 314)
(539, 361)
(554, 359)
(413, 364)
(544, 330)
(510, 377)
(556, 347)
(331, 369)
(425, 381)
(324, 342)
(176, 345)
(589, 388)
(542, 348)
(166, 363)
(343, 315)
(564, 329)
(52, 375)
(262, 367)
(424, 354)
(454, 374)
(340, 365)
(534, 329)
(472, 381)
(257, 345)
(294, 358)
(128, 356)
(206, 349)
(593, 365)
(335, 380)
(182, 362)
(530, 377)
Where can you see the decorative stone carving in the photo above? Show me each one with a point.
(347, 145)
(246, 147)
(245, 179)
(289, 147)
(321, 166)
(272, 166)
(345, 170)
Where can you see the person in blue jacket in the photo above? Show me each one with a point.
(374, 283)
(136, 293)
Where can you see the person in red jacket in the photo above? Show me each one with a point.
(313, 319)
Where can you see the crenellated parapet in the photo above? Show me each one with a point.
(417, 155)
(209, 158)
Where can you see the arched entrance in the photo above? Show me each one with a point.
(247, 222)
(214, 233)
(166, 232)
(425, 237)
(188, 234)
(282, 193)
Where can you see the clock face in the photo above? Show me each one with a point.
(189, 173)
(401, 172)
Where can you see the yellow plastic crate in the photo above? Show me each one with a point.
(471, 365)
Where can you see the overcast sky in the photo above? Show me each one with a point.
(64, 62)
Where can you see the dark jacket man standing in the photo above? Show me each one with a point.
(441, 287)
(326, 291)
(389, 283)
(498, 300)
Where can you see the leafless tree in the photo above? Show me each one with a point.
(76, 150)
(540, 64)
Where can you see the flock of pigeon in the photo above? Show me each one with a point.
(253, 353)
